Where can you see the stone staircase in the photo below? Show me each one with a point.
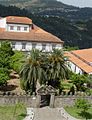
(47, 113)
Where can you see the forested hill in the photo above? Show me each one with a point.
(51, 8)
(77, 33)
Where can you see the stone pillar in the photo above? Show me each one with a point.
(38, 100)
(52, 98)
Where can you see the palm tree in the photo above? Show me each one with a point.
(32, 71)
(57, 68)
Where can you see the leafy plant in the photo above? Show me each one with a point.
(4, 76)
(17, 60)
(84, 105)
(79, 81)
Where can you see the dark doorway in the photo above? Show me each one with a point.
(45, 100)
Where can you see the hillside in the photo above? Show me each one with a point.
(51, 8)
(77, 33)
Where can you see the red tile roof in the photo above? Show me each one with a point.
(85, 54)
(20, 20)
(35, 35)
(81, 58)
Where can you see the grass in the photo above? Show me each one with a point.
(17, 112)
(73, 111)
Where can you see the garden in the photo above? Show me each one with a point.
(43, 68)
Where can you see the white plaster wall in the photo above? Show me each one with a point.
(48, 47)
(15, 27)
(58, 46)
(18, 46)
(39, 46)
(90, 73)
(3, 23)
(75, 68)
(72, 66)
(28, 46)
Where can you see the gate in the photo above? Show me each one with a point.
(45, 100)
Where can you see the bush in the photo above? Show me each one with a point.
(78, 81)
(82, 104)
(5, 54)
(4, 76)
(17, 60)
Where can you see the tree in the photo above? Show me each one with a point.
(57, 69)
(5, 54)
(32, 71)
(17, 60)
(43, 67)
(5, 60)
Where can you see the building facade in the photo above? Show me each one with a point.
(80, 61)
(24, 35)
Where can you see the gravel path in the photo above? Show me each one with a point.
(47, 113)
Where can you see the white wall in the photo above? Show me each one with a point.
(59, 46)
(15, 27)
(28, 47)
(3, 23)
(75, 68)
(39, 46)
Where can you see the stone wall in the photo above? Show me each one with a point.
(11, 100)
(61, 101)
(33, 101)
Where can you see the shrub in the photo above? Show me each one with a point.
(82, 104)
(4, 76)
(17, 60)
(79, 81)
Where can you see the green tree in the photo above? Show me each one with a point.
(17, 60)
(57, 69)
(5, 54)
(5, 60)
(32, 71)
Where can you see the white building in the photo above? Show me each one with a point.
(24, 35)
(80, 61)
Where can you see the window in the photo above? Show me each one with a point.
(18, 28)
(25, 28)
(23, 45)
(13, 45)
(33, 45)
(11, 27)
(53, 46)
(43, 47)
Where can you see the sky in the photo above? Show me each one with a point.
(78, 3)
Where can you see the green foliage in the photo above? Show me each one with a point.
(5, 54)
(32, 71)
(4, 76)
(56, 68)
(79, 81)
(89, 78)
(17, 60)
(5, 60)
(68, 48)
(13, 112)
(78, 114)
(42, 67)
(82, 104)
(66, 85)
